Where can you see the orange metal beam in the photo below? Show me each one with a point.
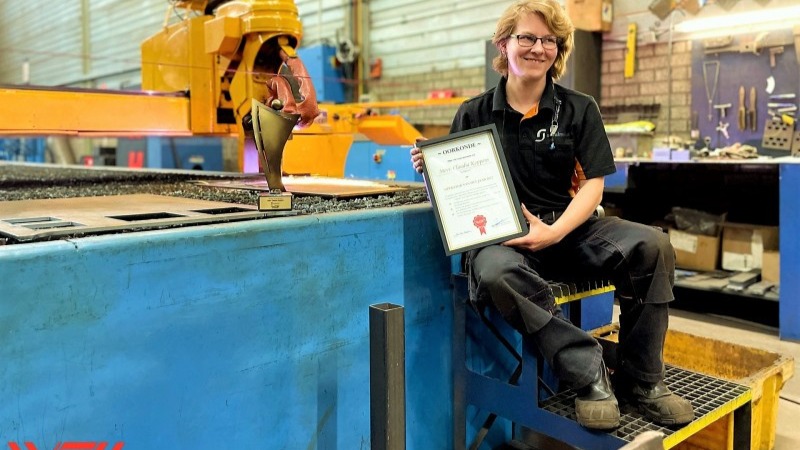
(42, 111)
(428, 102)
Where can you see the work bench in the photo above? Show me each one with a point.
(760, 191)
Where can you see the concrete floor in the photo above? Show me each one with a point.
(787, 436)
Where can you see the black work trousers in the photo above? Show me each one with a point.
(637, 258)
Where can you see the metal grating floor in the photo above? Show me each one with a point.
(707, 394)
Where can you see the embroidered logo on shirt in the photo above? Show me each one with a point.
(541, 135)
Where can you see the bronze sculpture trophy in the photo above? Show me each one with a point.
(271, 129)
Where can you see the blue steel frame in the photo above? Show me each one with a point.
(480, 387)
(789, 217)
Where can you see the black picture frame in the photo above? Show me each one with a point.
(477, 156)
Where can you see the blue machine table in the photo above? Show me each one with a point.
(250, 334)
(247, 334)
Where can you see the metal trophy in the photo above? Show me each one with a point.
(271, 129)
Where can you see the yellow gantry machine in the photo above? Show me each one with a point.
(199, 77)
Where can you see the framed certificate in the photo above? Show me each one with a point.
(471, 190)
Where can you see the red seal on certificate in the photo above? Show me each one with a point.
(480, 222)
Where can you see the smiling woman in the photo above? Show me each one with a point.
(557, 26)
(551, 135)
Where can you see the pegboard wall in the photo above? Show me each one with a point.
(741, 63)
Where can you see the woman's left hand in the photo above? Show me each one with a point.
(540, 235)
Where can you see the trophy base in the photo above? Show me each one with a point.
(275, 202)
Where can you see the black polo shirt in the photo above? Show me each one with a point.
(542, 165)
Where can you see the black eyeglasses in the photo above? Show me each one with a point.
(529, 40)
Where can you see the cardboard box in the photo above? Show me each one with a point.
(743, 245)
(591, 15)
(694, 251)
(771, 266)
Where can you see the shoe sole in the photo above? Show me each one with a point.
(607, 420)
(661, 420)
(600, 424)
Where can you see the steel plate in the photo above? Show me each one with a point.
(311, 185)
(31, 220)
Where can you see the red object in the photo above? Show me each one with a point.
(280, 89)
(442, 93)
(70, 446)
(376, 69)
(136, 159)
(480, 222)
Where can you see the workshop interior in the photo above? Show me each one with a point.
(212, 235)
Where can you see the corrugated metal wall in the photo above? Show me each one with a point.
(96, 42)
(418, 36)
(48, 37)
(117, 29)
(74, 41)
(322, 19)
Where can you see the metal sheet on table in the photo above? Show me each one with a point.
(319, 186)
(30, 220)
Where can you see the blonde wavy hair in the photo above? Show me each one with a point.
(554, 17)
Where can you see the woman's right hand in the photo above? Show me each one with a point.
(416, 155)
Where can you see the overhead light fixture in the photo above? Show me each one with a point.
(740, 23)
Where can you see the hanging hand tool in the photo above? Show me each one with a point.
(782, 112)
(711, 91)
(723, 109)
(770, 84)
(723, 128)
(742, 114)
(772, 52)
(751, 113)
(780, 105)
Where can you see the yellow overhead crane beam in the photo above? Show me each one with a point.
(199, 77)
(84, 112)
(320, 149)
